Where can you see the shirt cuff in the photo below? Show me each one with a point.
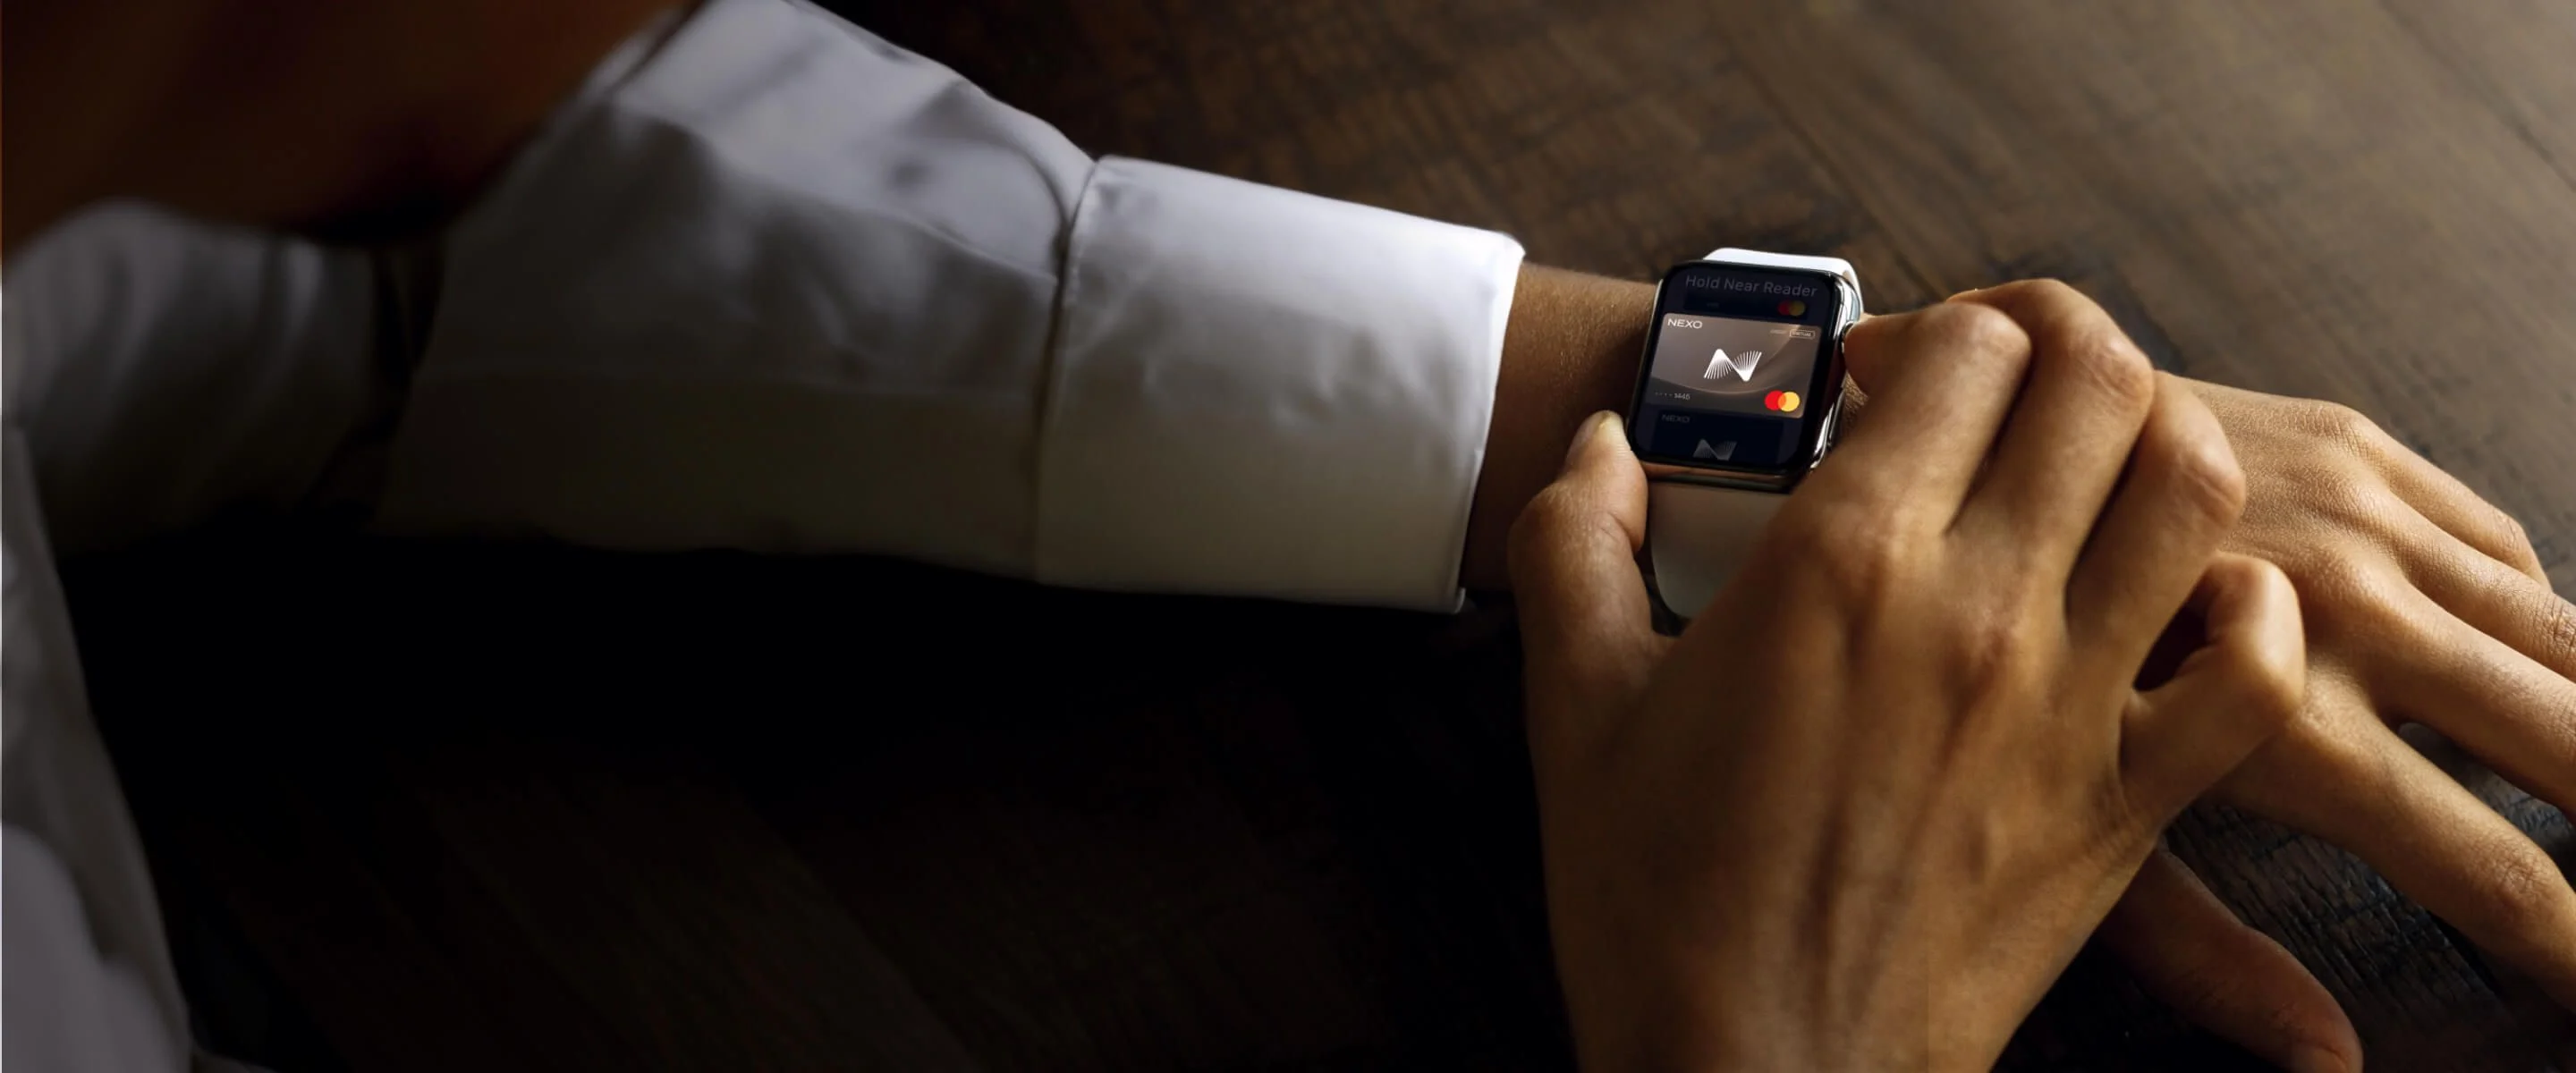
(1266, 393)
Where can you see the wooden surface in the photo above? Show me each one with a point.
(535, 809)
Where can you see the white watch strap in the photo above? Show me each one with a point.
(1696, 535)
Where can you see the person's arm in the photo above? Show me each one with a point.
(787, 288)
(1571, 352)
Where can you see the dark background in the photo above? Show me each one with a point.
(435, 808)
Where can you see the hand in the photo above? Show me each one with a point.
(1867, 806)
(2423, 604)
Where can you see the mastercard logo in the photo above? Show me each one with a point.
(1782, 401)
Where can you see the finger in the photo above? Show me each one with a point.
(2235, 691)
(2507, 708)
(2068, 437)
(2183, 492)
(2189, 949)
(2445, 502)
(1586, 623)
(1941, 380)
(2430, 838)
(2495, 597)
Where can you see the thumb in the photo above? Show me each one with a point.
(2228, 697)
(1586, 623)
(1868, 356)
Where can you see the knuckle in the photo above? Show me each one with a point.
(2326, 743)
(2338, 578)
(2109, 365)
(2337, 423)
(2523, 893)
(2355, 498)
(1992, 649)
(2054, 289)
(2520, 552)
(2039, 290)
(2353, 597)
(1976, 328)
(2315, 734)
(2052, 305)
(1860, 559)
(2203, 475)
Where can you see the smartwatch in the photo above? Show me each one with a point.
(1736, 399)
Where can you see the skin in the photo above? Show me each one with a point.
(1869, 804)
(2422, 602)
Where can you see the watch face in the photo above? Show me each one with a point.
(1743, 367)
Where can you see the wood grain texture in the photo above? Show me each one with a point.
(710, 813)
(2511, 54)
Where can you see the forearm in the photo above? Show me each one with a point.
(1570, 351)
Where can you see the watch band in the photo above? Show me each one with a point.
(1697, 535)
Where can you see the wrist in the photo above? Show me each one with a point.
(1570, 351)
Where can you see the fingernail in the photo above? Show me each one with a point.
(1605, 423)
(2310, 1058)
(1963, 294)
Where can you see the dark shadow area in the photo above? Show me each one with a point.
(556, 809)
(309, 714)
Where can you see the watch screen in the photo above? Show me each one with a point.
(1738, 369)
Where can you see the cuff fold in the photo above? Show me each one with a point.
(1260, 392)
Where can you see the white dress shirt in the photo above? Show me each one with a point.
(766, 282)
